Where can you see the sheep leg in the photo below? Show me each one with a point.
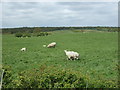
(74, 59)
(68, 58)
(77, 58)
(71, 59)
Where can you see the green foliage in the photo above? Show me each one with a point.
(34, 34)
(36, 30)
(18, 35)
(50, 79)
(22, 35)
(7, 76)
(26, 35)
(48, 29)
(44, 77)
(42, 34)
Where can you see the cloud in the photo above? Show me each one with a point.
(16, 14)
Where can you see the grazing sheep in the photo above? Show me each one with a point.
(71, 55)
(23, 49)
(53, 44)
(76, 55)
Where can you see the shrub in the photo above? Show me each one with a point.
(26, 35)
(44, 77)
(45, 33)
(7, 77)
(18, 35)
(23, 35)
(42, 34)
(39, 34)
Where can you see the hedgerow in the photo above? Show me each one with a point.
(32, 34)
(42, 34)
(18, 35)
(51, 77)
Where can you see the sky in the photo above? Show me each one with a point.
(52, 14)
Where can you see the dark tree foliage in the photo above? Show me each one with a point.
(48, 29)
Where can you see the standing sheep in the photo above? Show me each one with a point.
(23, 49)
(76, 55)
(71, 55)
(53, 44)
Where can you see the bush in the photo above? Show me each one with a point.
(7, 77)
(44, 77)
(23, 35)
(18, 35)
(26, 35)
(45, 33)
(42, 34)
(34, 34)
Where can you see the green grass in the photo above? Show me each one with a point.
(98, 52)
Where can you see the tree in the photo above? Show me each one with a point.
(36, 30)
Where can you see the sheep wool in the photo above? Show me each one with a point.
(23, 49)
(53, 44)
(71, 55)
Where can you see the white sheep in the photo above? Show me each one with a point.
(76, 55)
(71, 55)
(23, 49)
(53, 44)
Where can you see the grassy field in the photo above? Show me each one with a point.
(98, 53)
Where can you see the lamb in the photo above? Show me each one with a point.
(23, 49)
(53, 44)
(71, 55)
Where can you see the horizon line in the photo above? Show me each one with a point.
(53, 26)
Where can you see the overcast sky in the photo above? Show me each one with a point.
(21, 14)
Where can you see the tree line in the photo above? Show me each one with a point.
(48, 29)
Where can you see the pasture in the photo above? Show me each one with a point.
(98, 53)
